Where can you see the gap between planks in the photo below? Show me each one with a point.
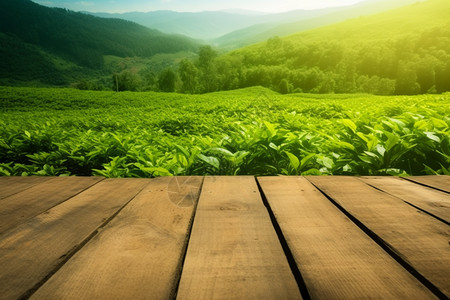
(139, 253)
(336, 258)
(35, 249)
(416, 240)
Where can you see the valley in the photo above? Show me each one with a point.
(355, 90)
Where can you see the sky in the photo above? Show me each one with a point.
(120, 6)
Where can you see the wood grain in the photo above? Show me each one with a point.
(419, 239)
(9, 185)
(441, 182)
(24, 205)
(35, 249)
(337, 260)
(430, 200)
(234, 252)
(138, 255)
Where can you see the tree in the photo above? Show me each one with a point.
(189, 76)
(125, 81)
(443, 77)
(166, 80)
(149, 80)
(284, 86)
(206, 56)
(407, 81)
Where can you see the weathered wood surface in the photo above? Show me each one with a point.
(30, 202)
(418, 239)
(294, 237)
(139, 252)
(234, 252)
(12, 185)
(430, 200)
(336, 258)
(438, 182)
(32, 251)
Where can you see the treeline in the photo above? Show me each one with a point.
(84, 38)
(406, 66)
(199, 75)
(412, 64)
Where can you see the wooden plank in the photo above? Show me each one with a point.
(430, 200)
(24, 205)
(337, 259)
(234, 252)
(33, 250)
(139, 253)
(417, 238)
(10, 185)
(441, 182)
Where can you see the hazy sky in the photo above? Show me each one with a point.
(192, 5)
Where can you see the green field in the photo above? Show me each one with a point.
(250, 131)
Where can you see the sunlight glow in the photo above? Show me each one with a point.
(194, 5)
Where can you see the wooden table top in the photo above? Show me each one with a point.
(218, 237)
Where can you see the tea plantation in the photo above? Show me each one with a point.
(254, 131)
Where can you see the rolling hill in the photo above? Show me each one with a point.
(50, 45)
(401, 51)
(288, 26)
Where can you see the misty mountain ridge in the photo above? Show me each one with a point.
(209, 25)
(262, 32)
(234, 28)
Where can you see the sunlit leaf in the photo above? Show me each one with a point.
(294, 161)
(210, 160)
(432, 136)
(349, 124)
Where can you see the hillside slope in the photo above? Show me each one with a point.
(403, 51)
(52, 41)
(261, 32)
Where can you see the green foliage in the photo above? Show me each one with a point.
(189, 76)
(251, 131)
(125, 81)
(404, 52)
(166, 80)
(57, 46)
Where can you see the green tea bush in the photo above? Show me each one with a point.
(67, 132)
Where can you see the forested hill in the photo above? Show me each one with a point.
(263, 31)
(403, 51)
(31, 35)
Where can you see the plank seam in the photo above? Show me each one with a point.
(186, 244)
(416, 207)
(66, 257)
(424, 184)
(51, 207)
(70, 197)
(28, 187)
(287, 251)
(396, 255)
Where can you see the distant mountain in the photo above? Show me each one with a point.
(209, 25)
(261, 32)
(41, 43)
(231, 29)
